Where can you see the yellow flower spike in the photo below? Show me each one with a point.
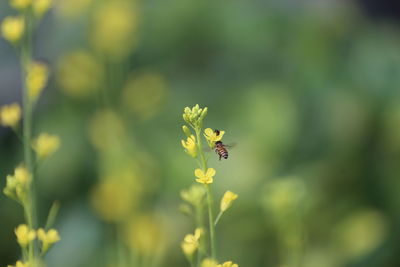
(205, 178)
(24, 235)
(10, 115)
(191, 242)
(190, 146)
(19, 264)
(227, 199)
(209, 263)
(40, 7)
(12, 28)
(48, 239)
(228, 264)
(211, 136)
(36, 80)
(46, 144)
(20, 4)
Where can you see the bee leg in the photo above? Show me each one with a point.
(220, 157)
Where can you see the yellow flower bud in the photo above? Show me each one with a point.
(205, 178)
(212, 136)
(227, 199)
(13, 28)
(19, 264)
(191, 242)
(187, 131)
(48, 239)
(40, 7)
(228, 264)
(46, 144)
(20, 4)
(10, 115)
(190, 146)
(36, 79)
(24, 235)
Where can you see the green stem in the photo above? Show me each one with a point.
(218, 217)
(29, 207)
(209, 196)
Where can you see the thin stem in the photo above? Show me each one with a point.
(218, 217)
(211, 222)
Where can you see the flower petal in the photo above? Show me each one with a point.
(199, 173)
(210, 172)
(209, 132)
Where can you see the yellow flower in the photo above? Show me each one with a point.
(227, 264)
(213, 137)
(19, 264)
(227, 199)
(190, 146)
(209, 263)
(20, 4)
(48, 239)
(46, 144)
(40, 7)
(24, 235)
(12, 28)
(194, 195)
(17, 184)
(191, 242)
(36, 79)
(10, 115)
(204, 178)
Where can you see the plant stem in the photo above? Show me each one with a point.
(29, 207)
(218, 217)
(209, 196)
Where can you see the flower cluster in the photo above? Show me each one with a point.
(25, 236)
(195, 196)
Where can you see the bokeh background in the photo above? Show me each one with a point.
(307, 89)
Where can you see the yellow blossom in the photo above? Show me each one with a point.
(209, 263)
(227, 264)
(18, 183)
(19, 264)
(40, 7)
(205, 178)
(212, 136)
(36, 79)
(46, 144)
(13, 28)
(191, 242)
(20, 4)
(24, 235)
(194, 195)
(10, 115)
(48, 239)
(190, 146)
(227, 199)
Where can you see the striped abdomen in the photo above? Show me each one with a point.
(221, 150)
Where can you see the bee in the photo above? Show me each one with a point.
(220, 148)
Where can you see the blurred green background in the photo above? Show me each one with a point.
(307, 89)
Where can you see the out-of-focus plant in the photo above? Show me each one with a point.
(196, 195)
(20, 186)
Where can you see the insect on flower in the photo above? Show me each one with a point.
(221, 148)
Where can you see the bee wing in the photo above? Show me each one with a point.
(230, 145)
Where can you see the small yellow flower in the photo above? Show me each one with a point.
(190, 146)
(24, 235)
(227, 264)
(213, 137)
(40, 7)
(22, 175)
(209, 263)
(205, 178)
(191, 242)
(18, 183)
(20, 4)
(36, 79)
(10, 115)
(227, 199)
(194, 195)
(13, 28)
(48, 239)
(19, 264)
(46, 144)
